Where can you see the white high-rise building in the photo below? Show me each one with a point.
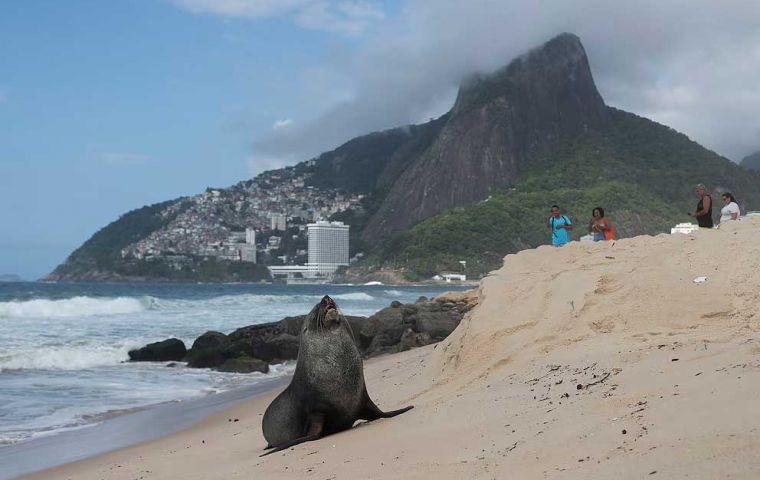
(328, 245)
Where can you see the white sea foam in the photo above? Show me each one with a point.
(249, 300)
(64, 358)
(361, 296)
(73, 307)
(393, 293)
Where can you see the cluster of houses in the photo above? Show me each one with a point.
(234, 223)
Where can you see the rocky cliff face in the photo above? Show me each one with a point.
(499, 123)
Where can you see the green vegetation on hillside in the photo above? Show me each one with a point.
(514, 220)
(102, 252)
(206, 269)
(640, 172)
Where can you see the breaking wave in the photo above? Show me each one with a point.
(360, 296)
(74, 307)
(83, 306)
(64, 357)
(252, 300)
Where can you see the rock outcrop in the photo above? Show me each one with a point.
(393, 329)
(164, 351)
(499, 124)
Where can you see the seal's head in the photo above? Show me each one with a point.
(324, 316)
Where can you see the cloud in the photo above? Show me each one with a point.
(349, 17)
(124, 158)
(691, 64)
(282, 124)
(240, 8)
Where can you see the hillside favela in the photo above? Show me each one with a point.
(380, 240)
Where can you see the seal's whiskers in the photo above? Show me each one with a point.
(350, 330)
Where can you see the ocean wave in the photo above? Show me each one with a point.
(353, 296)
(74, 307)
(393, 293)
(246, 300)
(64, 358)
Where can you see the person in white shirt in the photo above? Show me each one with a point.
(730, 211)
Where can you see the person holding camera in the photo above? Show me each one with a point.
(560, 225)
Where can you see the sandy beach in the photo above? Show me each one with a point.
(596, 360)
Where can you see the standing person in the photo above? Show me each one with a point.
(559, 225)
(600, 226)
(730, 211)
(703, 213)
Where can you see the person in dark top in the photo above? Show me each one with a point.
(703, 213)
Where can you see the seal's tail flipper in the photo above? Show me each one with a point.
(372, 412)
(292, 443)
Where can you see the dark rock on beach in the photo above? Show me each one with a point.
(399, 328)
(165, 351)
(396, 328)
(244, 365)
(210, 339)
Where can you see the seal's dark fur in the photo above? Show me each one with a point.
(327, 393)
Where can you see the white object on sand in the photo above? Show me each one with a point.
(700, 280)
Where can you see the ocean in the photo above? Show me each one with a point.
(63, 346)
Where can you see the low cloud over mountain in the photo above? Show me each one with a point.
(691, 64)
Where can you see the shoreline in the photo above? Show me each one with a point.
(597, 360)
(120, 431)
(38, 438)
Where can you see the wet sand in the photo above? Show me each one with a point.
(119, 431)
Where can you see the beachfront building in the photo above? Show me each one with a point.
(327, 250)
(296, 274)
(328, 246)
(449, 277)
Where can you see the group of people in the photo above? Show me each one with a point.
(703, 213)
(601, 228)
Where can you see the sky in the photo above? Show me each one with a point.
(109, 106)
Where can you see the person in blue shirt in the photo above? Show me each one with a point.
(559, 225)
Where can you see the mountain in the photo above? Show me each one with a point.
(499, 124)
(472, 185)
(751, 162)
(642, 173)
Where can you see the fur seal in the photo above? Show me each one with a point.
(327, 393)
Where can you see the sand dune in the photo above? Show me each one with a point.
(596, 360)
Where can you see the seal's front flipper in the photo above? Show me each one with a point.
(372, 412)
(316, 429)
